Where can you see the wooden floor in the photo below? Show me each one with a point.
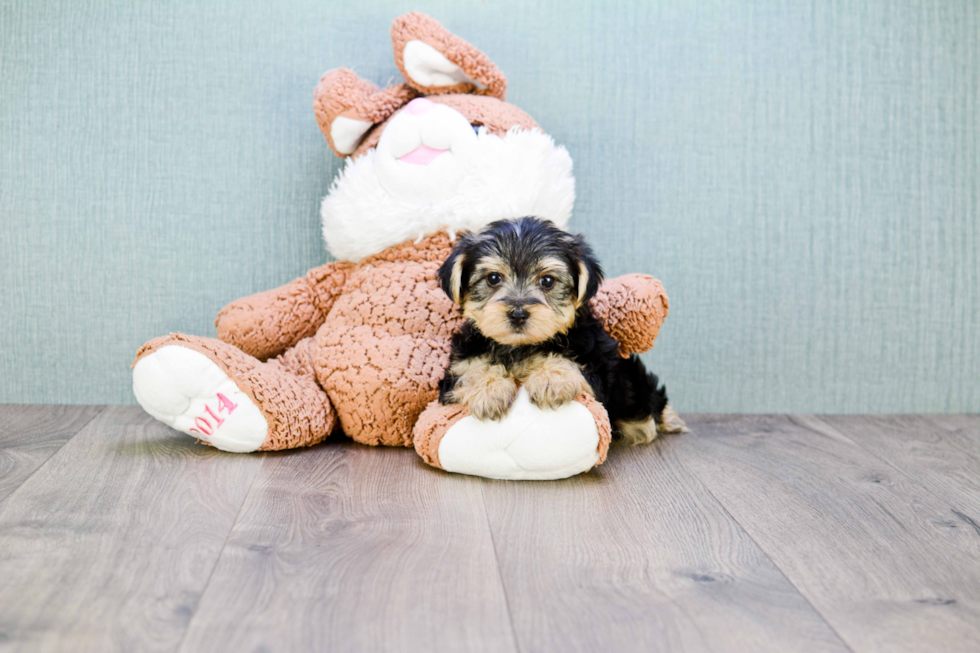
(752, 533)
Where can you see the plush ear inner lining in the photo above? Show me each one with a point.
(347, 133)
(428, 67)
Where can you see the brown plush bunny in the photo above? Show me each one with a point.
(360, 344)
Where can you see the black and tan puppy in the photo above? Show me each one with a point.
(524, 286)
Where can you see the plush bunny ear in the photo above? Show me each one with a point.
(347, 107)
(435, 62)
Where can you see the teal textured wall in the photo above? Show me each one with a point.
(803, 176)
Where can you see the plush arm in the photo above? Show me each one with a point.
(632, 308)
(268, 323)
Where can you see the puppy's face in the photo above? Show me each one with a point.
(521, 281)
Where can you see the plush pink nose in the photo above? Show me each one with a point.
(419, 105)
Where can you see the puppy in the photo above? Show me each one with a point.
(524, 286)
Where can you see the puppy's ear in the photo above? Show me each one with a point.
(589, 272)
(451, 272)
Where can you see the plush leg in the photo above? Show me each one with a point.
(530, 443)
(215, 392)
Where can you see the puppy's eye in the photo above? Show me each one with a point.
(494, 279)
(547, 281)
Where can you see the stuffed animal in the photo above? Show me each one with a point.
(360, 344)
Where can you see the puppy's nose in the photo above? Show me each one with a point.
(518, 316)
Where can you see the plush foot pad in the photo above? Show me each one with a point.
(189, 392)
(530, 443)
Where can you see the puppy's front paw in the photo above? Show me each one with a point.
(493, 402)
(554, 382)
(485, 388)
(492, 399)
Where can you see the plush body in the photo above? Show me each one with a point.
(360, 344)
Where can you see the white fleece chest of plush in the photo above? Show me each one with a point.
(521, 174)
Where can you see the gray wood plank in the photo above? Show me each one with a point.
(353, 548)
(924, 450)
(637, 556)
(109, 545)
(962, 431)
(30, 434)
(869, 547)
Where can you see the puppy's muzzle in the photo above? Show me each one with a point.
(518, 316)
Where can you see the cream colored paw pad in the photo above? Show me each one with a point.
(530, 443)
(187, 391)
